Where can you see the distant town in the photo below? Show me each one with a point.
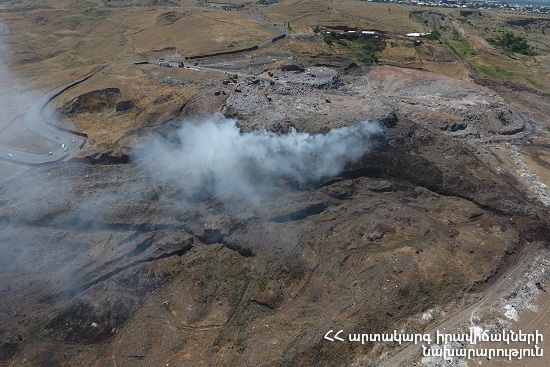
(543, 8)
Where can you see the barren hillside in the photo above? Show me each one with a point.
(230, 209)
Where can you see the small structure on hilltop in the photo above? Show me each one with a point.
(417, 34)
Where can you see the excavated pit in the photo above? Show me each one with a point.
(313, 209)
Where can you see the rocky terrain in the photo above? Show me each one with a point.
(317, 100)
(126, 271)
(231, 212)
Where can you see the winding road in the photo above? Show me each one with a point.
(34, 121)
(282, 32)
(68, 142)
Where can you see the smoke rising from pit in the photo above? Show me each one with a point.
(214, 157)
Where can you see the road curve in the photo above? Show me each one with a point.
(34, 121)
(68, 142)
(282, 31)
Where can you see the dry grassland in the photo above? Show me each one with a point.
(57, 45)
(361, 14)
(195, 31)
(56, 40)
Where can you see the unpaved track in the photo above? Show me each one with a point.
(467, 315)
(528, 323)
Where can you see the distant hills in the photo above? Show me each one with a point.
(528, 2)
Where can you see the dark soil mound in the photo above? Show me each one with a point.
(92, 102)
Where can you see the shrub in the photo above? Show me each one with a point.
(512, 43)
(434, 36)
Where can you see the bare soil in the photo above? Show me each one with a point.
(104, 265)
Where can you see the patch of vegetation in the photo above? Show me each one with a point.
(433, 36)
(93, 102)
(536, 85)
(460, 47)
(240, 344)
(363, 48)
(453, 40)
(328, 39)
(235, 269)
(71, 62)
(220, 340)
(455, 34)
(495, 72)
(453, 49)
(512, 43)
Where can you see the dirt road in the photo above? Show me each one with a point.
(468, 315)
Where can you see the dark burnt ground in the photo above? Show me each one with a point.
(100, 263)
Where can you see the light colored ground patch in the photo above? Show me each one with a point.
(529, 175)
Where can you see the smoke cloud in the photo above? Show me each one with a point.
(214, 157)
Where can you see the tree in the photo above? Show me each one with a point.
(434, 35)
(513, 43)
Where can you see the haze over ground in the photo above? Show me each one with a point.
(231, 212)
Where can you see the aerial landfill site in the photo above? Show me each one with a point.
(274, 183)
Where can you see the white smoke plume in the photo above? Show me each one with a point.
(214, 157)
